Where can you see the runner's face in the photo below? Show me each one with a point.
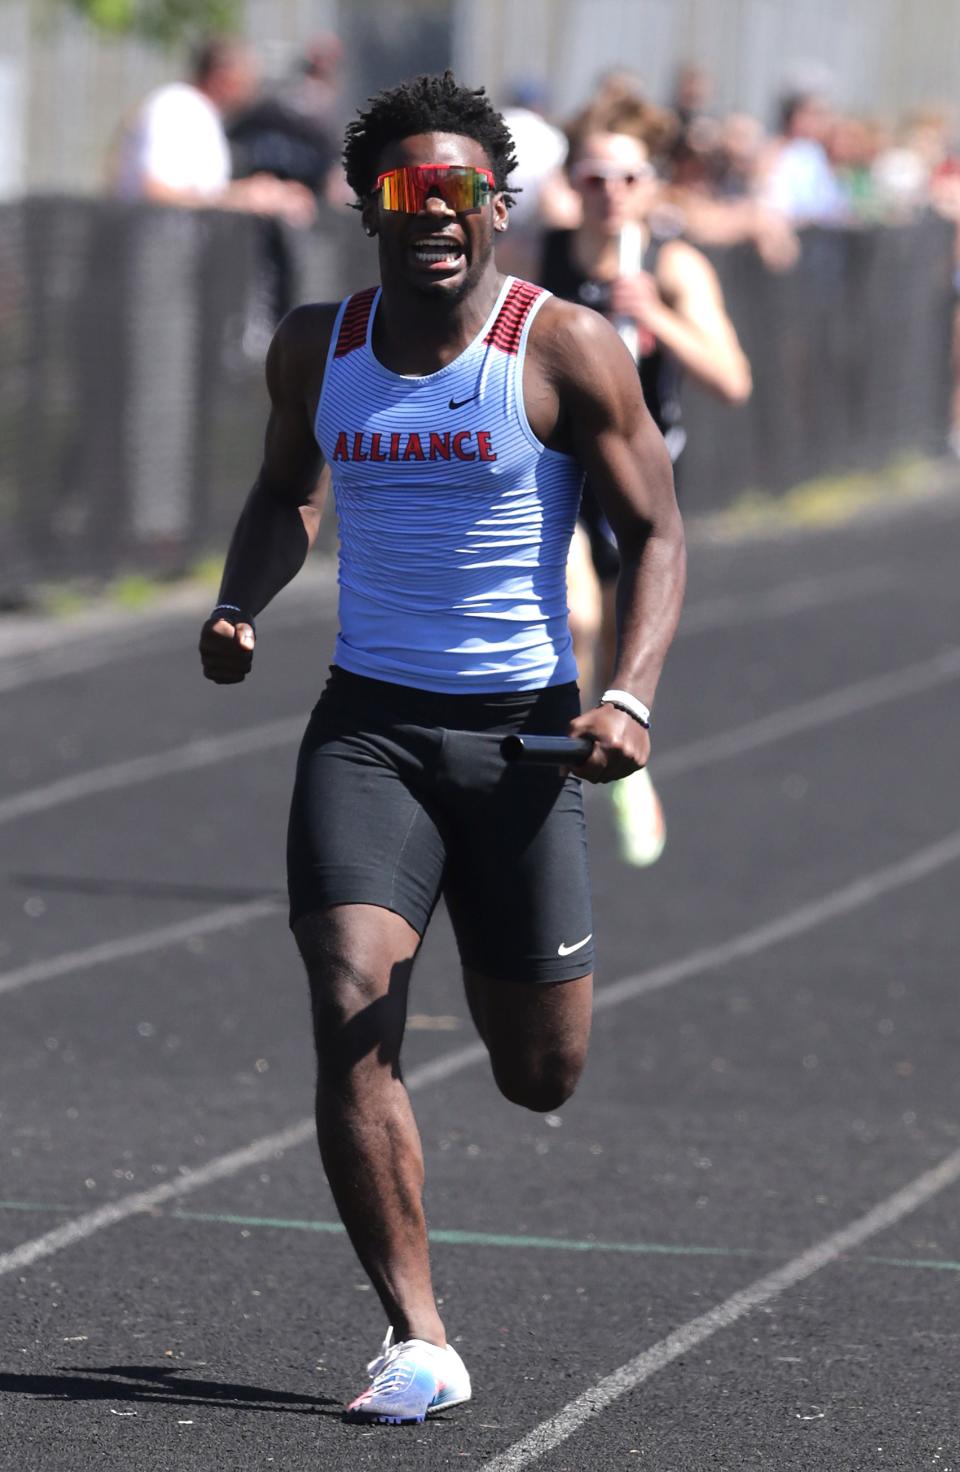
(405, 260)
(615, 180)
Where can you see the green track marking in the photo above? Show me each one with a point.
(454, 1238)
(33, 1206)
(495, 1239)
(476, 1239)
(228, 1218)
(913, 1262)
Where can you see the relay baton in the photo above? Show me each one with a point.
(546, 751)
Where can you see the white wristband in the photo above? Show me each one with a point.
(623, 700)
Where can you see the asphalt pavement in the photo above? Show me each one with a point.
(737, 1247)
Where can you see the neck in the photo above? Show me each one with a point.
(418, 333)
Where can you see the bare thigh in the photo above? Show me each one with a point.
(536, 1033)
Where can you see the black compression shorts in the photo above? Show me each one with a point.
(402, 795)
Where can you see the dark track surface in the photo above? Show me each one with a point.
(729, 1119)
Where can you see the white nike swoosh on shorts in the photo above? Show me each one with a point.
(563, 950)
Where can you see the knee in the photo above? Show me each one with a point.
(542, 1087)
(357, 1009)
(340, 989)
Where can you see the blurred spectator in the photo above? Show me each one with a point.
(174, 149)
(544, 199)
(294, 134)
(541, 150)
(317, 92)
(713, 192)
(697, 129)
(738, 157)
(800, 181)
(692, 94)
(920, 168)
(853, 147)
(616, 86)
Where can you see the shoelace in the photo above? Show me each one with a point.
(380, 1361)
(385, 1374)
(395, 1377)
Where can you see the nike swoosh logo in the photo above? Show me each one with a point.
(563, 950)
(459, 403)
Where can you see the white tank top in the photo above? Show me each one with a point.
(454, 519)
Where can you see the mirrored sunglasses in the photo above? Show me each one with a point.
(460, 186)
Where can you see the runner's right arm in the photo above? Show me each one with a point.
(279, 523)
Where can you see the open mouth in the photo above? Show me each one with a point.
(437, 252)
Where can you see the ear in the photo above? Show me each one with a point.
(500, 212)
(369, 215)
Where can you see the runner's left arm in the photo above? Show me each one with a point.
(626, 461)
(281, 517)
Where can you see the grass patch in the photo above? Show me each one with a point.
(207, 571)
(133, 592)
(830, 500)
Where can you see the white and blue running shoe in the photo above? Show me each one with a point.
(410, 1381)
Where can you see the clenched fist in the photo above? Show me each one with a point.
(226, 649)
(620, 744)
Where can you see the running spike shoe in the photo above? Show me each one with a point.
(638, 818)
(410, 1381)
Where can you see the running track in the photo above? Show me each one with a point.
(736, 1248)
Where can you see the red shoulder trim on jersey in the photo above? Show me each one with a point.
(354, 322)
(507, 330)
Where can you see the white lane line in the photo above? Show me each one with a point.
(117, 1211)
(550, 1434)
(849, 700)
(210, 750)
(731, 609)
(53, 648)
(58, 650)
(862, 891)
(205, 751)
(839, 902)
(225, 918)
(926, 861)
(215, 1170)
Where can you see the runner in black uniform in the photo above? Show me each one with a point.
(664, 298)
(660, 377)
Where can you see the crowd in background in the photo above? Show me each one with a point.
(722, 177)
(223, 139)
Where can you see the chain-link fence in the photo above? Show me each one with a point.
(132, 403)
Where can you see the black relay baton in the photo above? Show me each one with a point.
(546, 751)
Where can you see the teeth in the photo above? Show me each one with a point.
(434, 251)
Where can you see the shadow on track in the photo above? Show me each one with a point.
(158, 1387)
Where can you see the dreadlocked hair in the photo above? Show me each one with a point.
(427, 104)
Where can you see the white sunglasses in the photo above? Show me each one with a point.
(595, 171)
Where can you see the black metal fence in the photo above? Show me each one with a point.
(132, 402)
(851, 358)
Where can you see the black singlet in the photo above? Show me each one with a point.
(660, 377)
(660, 373)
